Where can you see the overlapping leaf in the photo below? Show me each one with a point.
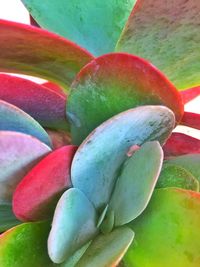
(114, 83)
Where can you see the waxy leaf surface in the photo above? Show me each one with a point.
(52, 57)
(36, 195)
(180, 144)
(190, 162)
(190, 94)
(95, 25)
(25, 245)
(74, 224)
(7, 218)
(114, 83)
(42, 103)
(168, 36)
(14, 119)
(96, 164)
(136, 183)
(18, 154)
(107, 250)
(167, 232)
(177, 176)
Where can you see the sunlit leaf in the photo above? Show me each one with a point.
(167, 34)
(114, 83)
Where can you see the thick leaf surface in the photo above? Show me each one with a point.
(43, 104)
(180, 144)
(190, 94)
(95, 25)
(167, 35)
(107, 250)
(7, 218)
(191, 120)
(167, 232)
(25, 245)
(176, 176)
(114, 83)
(97, 162)
(136, 183)
(54, 87)
(190, 162)
(53, 57)
(14, 119)
(18, 154)
(36, 195)
(74, 224)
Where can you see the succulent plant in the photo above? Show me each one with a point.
(82, 154)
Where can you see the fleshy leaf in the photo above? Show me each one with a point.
(36, 195)
(25, 245)
(179, 144)
(53, 57)
(43, 104)
(167, 35)
(114, 83)
(76, 216)
(136, 183)
(190, 94)
(59, 138)
(191, 120)
(18, 154)
(107, 250)
(14, 119)
(95, 25)
(176, 176)
(54, 87)
(167, 232)
(190, 162)
(97, 161)
(7, 218)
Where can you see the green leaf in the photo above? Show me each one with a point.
(96, 164)
(7, 218)
(107, 250)
(168, 36)
(136, 183)
(190, 162)
(76, 216)
(33, 51)
(112, 84)
(176, 176)
(95, 25)
(25, 245)
(168, 231)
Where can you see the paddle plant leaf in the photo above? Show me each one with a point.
(176, 176)
(179, 144)
(43, 104)
(95, 25)
(25, 245)
(114, 83)
(190, 94)
(14, 119)
(96, 164)
(168, 36)
(190, 162)
(136, 183)
(191, 120)
(53, 57)
(74, 224)
(7, 218)
(18, 154)
(169, 226)
(107, 250)
(36, 195)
